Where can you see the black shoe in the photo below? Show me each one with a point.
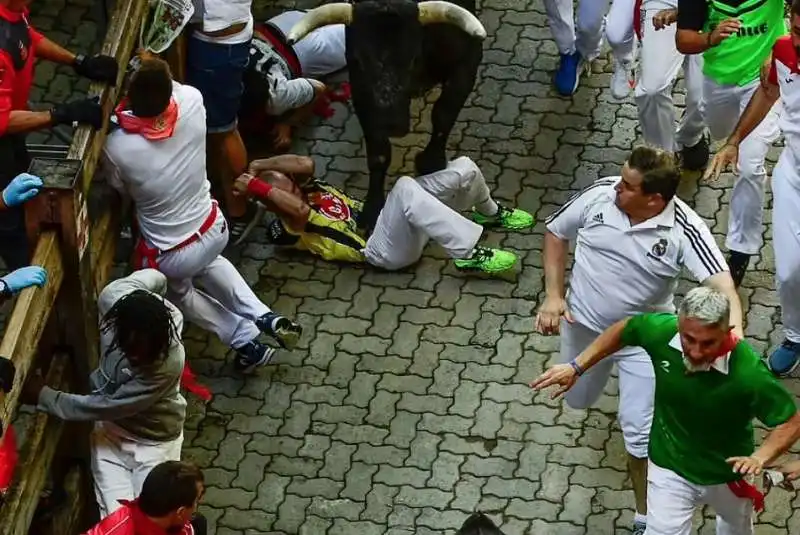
(286, 332)
(253, 355)
(737, 263)
(241, 227)
(695, 158)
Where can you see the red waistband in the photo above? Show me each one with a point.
(149, 254)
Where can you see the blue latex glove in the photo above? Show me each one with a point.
(23, 188)
(24, 278)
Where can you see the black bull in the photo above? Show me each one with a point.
(397, 50)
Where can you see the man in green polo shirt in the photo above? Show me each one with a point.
(709, 388)
(735, 38)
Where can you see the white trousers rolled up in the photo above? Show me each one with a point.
(636, 385)
(223, 304)
(120, 464)
(723, 105)
(671, 501)
(659, 65)
(417, 211)
(786, 237)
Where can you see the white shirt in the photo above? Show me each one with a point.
(216, 15)
(622, 270)
(166, 179)
(785, 72)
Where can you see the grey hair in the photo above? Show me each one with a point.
(708, 305)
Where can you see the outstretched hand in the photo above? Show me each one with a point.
(746, 466)
(560, 374)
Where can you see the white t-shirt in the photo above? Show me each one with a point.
(216, 15)
(166, 179)
(620, 270)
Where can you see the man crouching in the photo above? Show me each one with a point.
(314, 216)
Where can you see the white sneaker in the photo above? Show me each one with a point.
(622, 80)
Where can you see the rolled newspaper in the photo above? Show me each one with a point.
(164, 22)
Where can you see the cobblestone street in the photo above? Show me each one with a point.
(405, 406)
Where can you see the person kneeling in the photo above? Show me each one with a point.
(314, 216)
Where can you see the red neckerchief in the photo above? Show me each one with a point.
(728, 345)
(152, 128)
(143, 525)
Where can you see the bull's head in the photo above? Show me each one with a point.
(384, 42)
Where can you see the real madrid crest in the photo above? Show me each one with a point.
(660, 248)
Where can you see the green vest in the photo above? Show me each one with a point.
(738, 59)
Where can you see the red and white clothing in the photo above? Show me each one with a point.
(785, 72)
(217, 15)
(130, 520)
(183, 231)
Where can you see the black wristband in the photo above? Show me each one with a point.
(79, 59)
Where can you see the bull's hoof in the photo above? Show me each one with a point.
(427, 163)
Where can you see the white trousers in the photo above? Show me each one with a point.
(671, 501)
(591, 14)
(225, 306)
(636, 385)
(120, 464)
(723, 105)
(420, 210)
(658, 68)
(786, 237)
(321, 52)
(619, 30)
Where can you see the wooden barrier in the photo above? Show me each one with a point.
(76, 246)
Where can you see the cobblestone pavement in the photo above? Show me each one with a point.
(405, 407)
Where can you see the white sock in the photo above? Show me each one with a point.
(487, 207)
(639, 518)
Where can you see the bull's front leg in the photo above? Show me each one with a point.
(379, 157)
(455, 91)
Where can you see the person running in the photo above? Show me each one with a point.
(779, 86)
(710, 385)
(633, 239)
(735, 38)
(317, 217)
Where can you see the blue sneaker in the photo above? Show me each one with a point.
(253, 355)
(785, 358)
(568, 74)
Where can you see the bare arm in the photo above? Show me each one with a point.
(724, 283)
(758, 108)
(49, 50)
(691, 42)
(290, 208)
(604, 345)
(289, 164)
(555, 265)
(20, 121)
(779, 440)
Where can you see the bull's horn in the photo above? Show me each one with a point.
(433, 11)
(336, 13)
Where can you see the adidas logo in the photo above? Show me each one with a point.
(598, 218)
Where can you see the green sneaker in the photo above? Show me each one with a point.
(508, 218)
(487, 260)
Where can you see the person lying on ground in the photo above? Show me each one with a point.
(315, 216)
(282, 83)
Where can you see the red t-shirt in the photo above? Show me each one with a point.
(18, 42)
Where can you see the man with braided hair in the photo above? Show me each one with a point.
(135, 396)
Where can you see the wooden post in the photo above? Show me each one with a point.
(76, 309)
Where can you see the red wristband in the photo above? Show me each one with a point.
(259, 188)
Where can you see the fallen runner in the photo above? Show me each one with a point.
(316, 217)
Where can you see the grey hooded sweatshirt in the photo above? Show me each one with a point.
(147, 404)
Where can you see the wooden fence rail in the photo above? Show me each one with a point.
(56, 328)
